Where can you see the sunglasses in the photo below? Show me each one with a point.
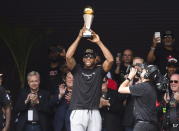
(89, 56)
(174, 81)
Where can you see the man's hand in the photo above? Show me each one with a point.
(81, 32)
(176, 96)
(104, 102)
(34, 98)
(132, 73)
(155, 41)
(95, 38)
(62, 89)
(68, 96)
(28, 98)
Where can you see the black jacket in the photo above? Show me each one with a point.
(21, 109)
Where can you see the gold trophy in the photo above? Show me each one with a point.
(88, 15)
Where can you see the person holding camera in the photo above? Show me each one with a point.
(172, 101)
(128, 118)
(87, 84)
(145, 97)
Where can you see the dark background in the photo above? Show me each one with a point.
(120, 23)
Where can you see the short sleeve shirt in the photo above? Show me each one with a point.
(145, 101)
(86, 87)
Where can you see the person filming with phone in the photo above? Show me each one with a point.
(159, 53)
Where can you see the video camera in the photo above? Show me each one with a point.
(154, 74)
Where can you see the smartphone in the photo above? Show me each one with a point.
(157, 35)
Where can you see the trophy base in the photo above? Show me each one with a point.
(87, 34)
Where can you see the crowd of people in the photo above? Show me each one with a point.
(121, 93)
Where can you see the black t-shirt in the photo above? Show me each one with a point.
(129, 119)
(162, 56)
(86, 87)
(145, 101)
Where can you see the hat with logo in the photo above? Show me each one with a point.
(89, 53)
(168, 33)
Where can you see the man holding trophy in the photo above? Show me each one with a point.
(88, 79)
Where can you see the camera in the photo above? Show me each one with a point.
(154, 74)
(162, 83)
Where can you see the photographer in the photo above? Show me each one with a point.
(128, 118)
(144, 97)
(172, 99)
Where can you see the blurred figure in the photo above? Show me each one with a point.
(160, 52)
(32, 106)
(122, 65)
(111, 106)
(5, 108)
(172, 100)
(1, 79)
(172, 67)
(62, 113)
(57, 67)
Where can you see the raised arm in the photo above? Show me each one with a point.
(7, 110)
(107, 54)
(71, 51)
(124, 87)
(151, 55)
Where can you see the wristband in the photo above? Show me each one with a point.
(128, 79)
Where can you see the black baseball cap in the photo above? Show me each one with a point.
(168, 33)
(89, 52)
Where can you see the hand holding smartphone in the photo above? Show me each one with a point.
(157, 37)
